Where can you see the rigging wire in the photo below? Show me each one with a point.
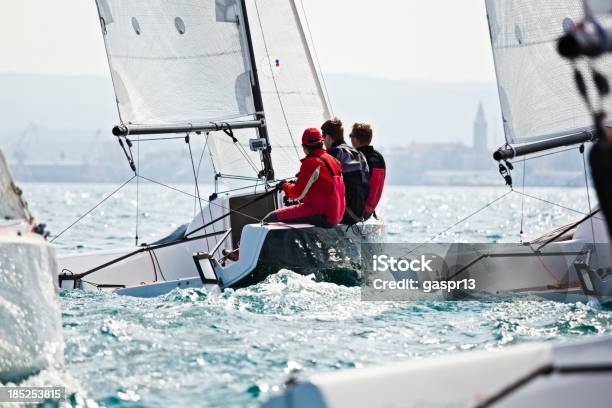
(230, 210)
(550, 202)
(93, 208)
(195, 177)
(203, 199)
(244, 154)
(523, 202)
(137, 193)
(280, 101)
(209, 207)
(464, 219)
(198, 173)
(588, 192)
(318, 61)
(197, 186)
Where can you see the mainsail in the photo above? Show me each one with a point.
(191, 61)
(176, 61)
(12, 207)
(539, 99)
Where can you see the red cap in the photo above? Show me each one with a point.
(312, 138)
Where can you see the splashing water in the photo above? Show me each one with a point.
(238, 347)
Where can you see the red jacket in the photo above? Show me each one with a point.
(378, 170)
(320, 186)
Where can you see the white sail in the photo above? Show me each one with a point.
(189, 62)
(12, 207)
(539, 99)
(176, 61)
(292, 95)
(291, 90)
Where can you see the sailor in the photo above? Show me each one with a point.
(319, 187)
(355, 170)
(361, 139)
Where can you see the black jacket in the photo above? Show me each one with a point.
(356, 175)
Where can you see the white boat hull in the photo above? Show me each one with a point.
(152, 270)
(30, 316)
(534, 375)
(327, 253)
(540, 268)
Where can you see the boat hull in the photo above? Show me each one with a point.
(330, 254)
(532, 375)
(30, 316)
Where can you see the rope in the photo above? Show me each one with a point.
(244, 188)
(93, 208)
(463, 219)
(161, 273)
(280, 101)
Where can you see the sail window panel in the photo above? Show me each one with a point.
(292, 96)
(538, 96)
(235, 159)
(175, 62)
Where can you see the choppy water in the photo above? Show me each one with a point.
(235, 348)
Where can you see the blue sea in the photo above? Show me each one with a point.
(192, 348)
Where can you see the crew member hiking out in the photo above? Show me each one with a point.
(361, 139)
(319, 187)
(354, 170)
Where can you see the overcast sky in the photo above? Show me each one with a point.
(442, 40)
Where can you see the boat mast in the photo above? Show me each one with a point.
(266, 157)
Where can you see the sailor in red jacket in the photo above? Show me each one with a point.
(361, 137)
(319, 187)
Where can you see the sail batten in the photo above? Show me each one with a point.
(538, 97)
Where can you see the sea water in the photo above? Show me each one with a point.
(192, 348)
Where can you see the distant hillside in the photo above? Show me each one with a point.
(66, 120)
(401, 111)
(56, 102)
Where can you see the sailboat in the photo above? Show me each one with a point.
(543, 114)
(30, 317)
(239, 73)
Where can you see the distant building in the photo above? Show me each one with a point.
(480, 141)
